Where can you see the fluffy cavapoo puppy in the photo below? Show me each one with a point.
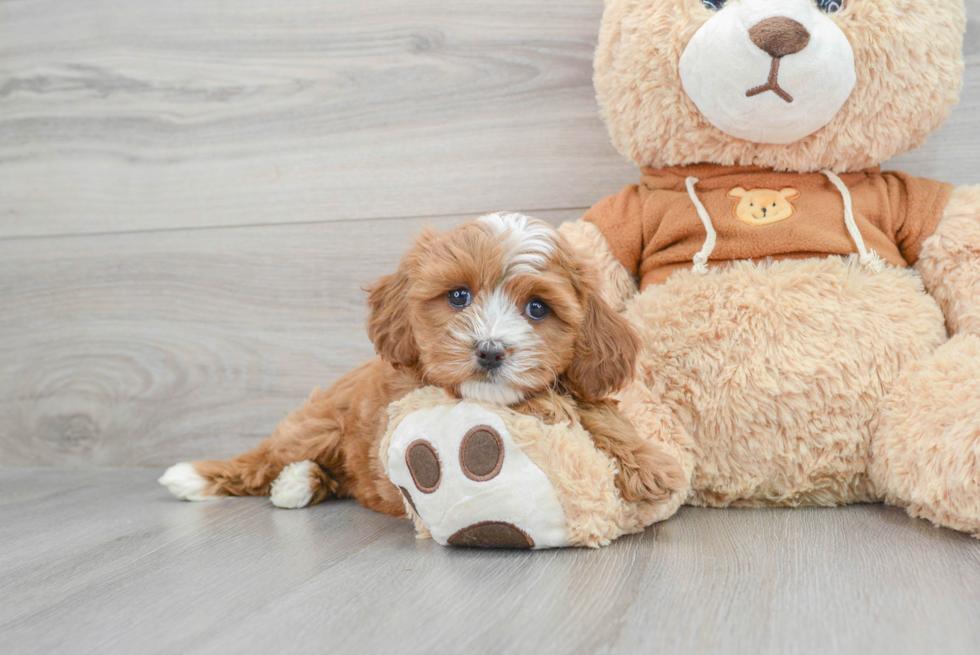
(498, 310)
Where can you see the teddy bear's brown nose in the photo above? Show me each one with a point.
(779, 36)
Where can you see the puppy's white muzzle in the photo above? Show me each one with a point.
(722, 64)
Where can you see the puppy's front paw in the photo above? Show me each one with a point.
(185, 482)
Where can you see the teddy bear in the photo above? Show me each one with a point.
(810, 323)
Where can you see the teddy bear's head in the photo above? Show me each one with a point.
(798, 85)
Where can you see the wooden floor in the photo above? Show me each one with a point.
(192, 194)
(104, 561)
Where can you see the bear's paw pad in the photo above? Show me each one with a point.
(462, 473)
(492, 534)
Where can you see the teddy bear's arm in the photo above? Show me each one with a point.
(950, 261)
(618, 284)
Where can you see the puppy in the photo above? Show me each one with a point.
(499, 310)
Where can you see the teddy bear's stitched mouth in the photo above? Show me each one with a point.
(772, 84)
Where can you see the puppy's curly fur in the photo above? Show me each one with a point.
(501, 310)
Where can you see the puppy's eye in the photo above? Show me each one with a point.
(830, 6)
(459, 298)
(536, 309)
(714, 5)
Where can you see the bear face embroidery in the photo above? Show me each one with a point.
(763, 206)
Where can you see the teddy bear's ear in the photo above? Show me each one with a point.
(789, 193)
(737, 192)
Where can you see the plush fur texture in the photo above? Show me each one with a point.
(558, 367)
(618, 284)
(795, 382)
(927, 440)
(583, 478)
(909, 73)
(804, 381)
(816, 382)
(950, 262)
(778, 370)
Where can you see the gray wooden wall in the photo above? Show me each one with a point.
(192, 193)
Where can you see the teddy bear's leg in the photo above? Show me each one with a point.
(950, 262)
(925, 453)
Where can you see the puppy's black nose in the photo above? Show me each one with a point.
(490, 355)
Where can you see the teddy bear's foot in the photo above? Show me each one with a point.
(926, 451)
(460, 470)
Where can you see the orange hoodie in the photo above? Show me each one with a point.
(654, 228)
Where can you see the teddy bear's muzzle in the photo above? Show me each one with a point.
(752, 47)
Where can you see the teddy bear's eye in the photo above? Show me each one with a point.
(715, 5)
(830, 6)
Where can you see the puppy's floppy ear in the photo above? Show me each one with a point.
(605, 353)
(389, 327)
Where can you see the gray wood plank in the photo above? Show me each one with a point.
(952, 154)
(143, 115)
(155, 347)
(129, 349)
(102, 560)
(119, 116)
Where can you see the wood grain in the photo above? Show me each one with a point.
(104, 561)
(193, 192)
(118, 116)
(144, 319)
(156, 347)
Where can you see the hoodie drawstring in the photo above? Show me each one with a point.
(869, 258)
(701, 259)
